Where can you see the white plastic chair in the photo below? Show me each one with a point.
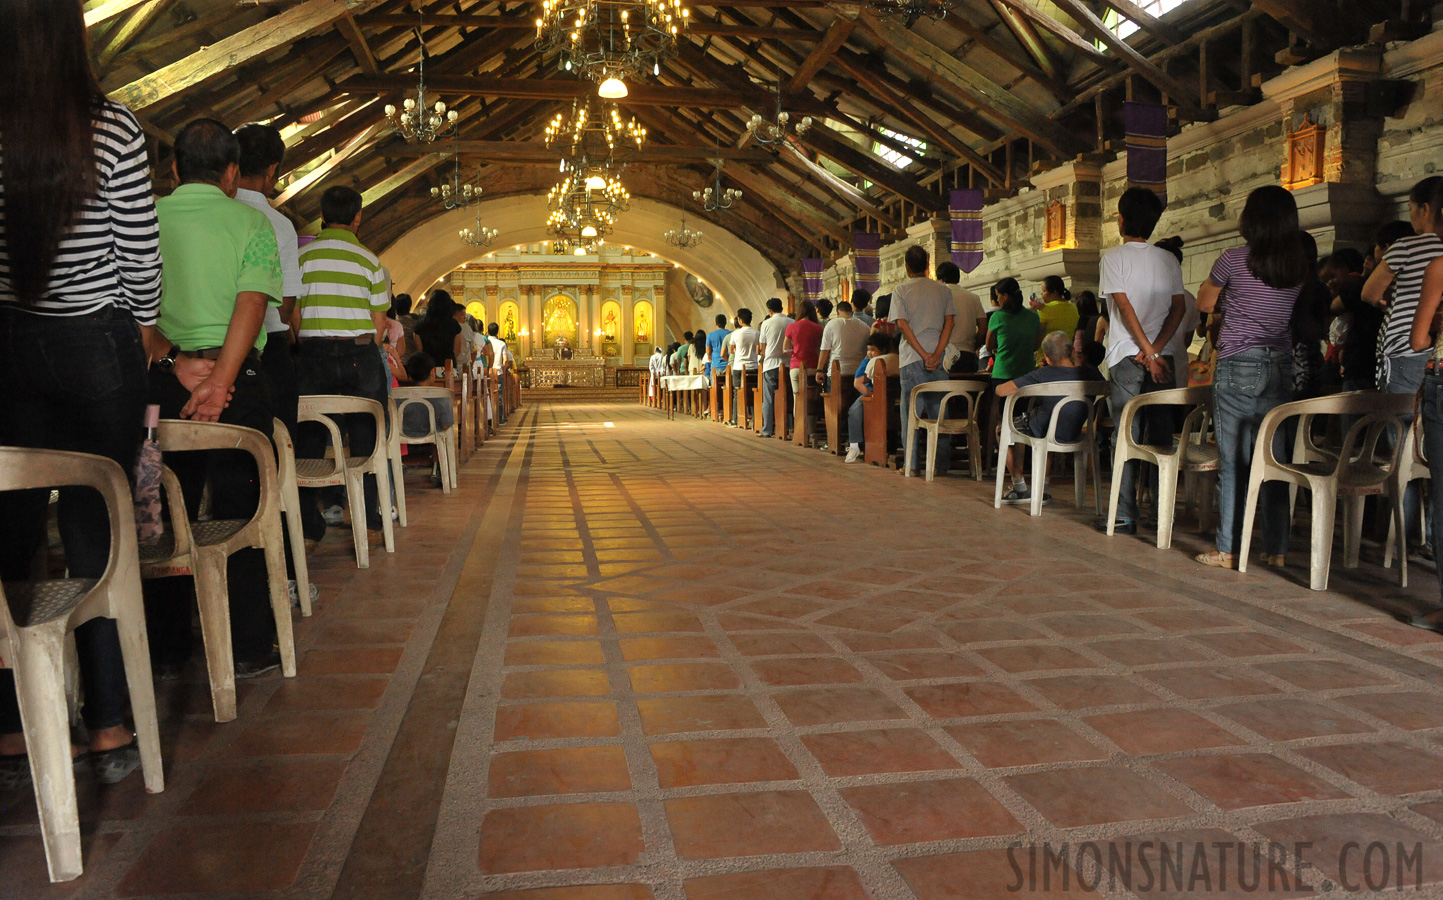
(393, 454)
(202, 550)
(34, 621)
(1199, 463)
(1355, 472)
(1411, 466)
(349, 470)
(968, 390)
(291, 509)
(1082, 449)
(444, 439)
(1168, 458)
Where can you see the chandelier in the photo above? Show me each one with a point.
(416, 122)
(775, 131)
(714, 197)
(585, 204)
(684, 239)
(609, 41)
(592, 130)
(577, 246)
(911, 10)
(454, 194)
(480, 236)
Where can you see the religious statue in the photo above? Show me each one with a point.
(643, 325)
(508, 327)
(609, 325)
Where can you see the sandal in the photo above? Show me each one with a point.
(115, 765)
(1217, 559)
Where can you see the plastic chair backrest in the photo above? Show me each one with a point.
(313, 406)
(1359, 403)
(1069, 392)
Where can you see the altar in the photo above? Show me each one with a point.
(579, 371)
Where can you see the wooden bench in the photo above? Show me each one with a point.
(881, 418)
(836, 401)
(809, 401)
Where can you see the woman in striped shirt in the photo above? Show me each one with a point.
(79, 287)
(1424, 338)
(1255, 288)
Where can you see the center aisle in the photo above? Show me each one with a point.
(713, 666)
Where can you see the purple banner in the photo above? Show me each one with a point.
(812, 279)
(966, 212)
(867, 246)
(1146, 125)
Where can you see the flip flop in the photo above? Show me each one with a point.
(1217, 560)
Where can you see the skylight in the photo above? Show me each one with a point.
(1123, 27)
(899, 160)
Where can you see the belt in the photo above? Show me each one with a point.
(360, 339)
(214, 353)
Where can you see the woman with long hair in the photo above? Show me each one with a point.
(1424, 336)
(803, 342)
(1013, 333)
(1255, 287)
(438, 330)
(1087, 316)
(79, 291)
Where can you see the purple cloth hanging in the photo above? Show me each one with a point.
(812, 278)
(966, 212)
(867, 247)
(1146, 125)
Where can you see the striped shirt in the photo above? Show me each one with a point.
(1254, 315)
(1408, 258)
(111, 254)
(342, 283)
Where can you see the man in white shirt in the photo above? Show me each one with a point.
(969, 330)
(500, 359)
(844, 339)
(922, 309)
(769, 344)
(741, 352)
(1143, 286)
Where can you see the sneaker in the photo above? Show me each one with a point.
(334, 516)
(315, 592)
(1121, 526)
(1046, 498)
(256, 668)
(1014, 497)
(854, 453)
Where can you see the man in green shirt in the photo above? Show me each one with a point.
(222, 271)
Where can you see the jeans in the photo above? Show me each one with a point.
(771, 380)
(71, 383)
(349, 369)
(1245, 387)
(1432, 412)
(911, 376)
(234, 494)
(855, 414)
(278, 364)
(1405, 376)
(1129, 379)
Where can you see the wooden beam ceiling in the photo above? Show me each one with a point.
(536, 152)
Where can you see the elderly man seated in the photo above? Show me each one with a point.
(1059, 366)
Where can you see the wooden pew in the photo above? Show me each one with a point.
(835, 404)
(493, 392)
(714, 403)
(881, 420)
(808, 402)
(782, 404)
(748, 393)
(726, 396)
(756, 398)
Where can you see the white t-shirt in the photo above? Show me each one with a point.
(743, 348)
(925, 305)
(1182, 339)
(1150, 277)
(290, 253)
(498, 352)
(846, 341)
(967, 307)
(771, 335)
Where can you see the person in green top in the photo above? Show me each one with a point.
(1013, 334)
(222, 271)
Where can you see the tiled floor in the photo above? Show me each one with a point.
(636, 659)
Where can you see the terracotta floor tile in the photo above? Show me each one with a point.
(900, 640)
(1322, 674)
(569, 770)
(1096, 796)
(720, 761)
(583, 605)
(869, 618)
(1286, 719)
(350, 661)
(699, 647)
(654, 622)
(1086, 691)
(1329, 834)
(1209, 683)
(719, 712)
(748, 824)
(266, 785)
(968, 698)
(1133, 599)
(23, 861)
(1024, 742)
(1146, 651)
(832, 706)
(916, 665)
(1411, 710)
(1087, 626)
(1240, 781)
(822, 883)
(563, 836)
(780, 644)
(782, 607)
(805, 670)
(1397, 633)
(1161, 731)
(920, 601)
(535, 625)
(977, 875)
(204, 858)
(911, 812)
(578, 892)
(563, 683)
(668, 677)
(829, 590)
(1238, 644)
(366, 631)
(574, 719)
(554, 653)
(882, 750)
(980, 632)
(302, 734)
(327, 692)
(1388, 768)
(1035, 658)
(1185, 619)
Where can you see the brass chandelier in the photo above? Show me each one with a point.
(585, 204)
(911, 10)
(454, 193)
(610, 41)
(417, 121)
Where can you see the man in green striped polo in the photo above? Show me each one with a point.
(343, 302)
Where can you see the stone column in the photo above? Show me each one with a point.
(628, 326)
(533, 319)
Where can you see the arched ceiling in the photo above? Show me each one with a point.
(732, 267)
(997, 89)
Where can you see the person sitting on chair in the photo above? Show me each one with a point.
(1060, 365)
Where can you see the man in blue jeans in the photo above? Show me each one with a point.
(922, 309)
(769, 345)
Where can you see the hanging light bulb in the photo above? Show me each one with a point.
(612, 88)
